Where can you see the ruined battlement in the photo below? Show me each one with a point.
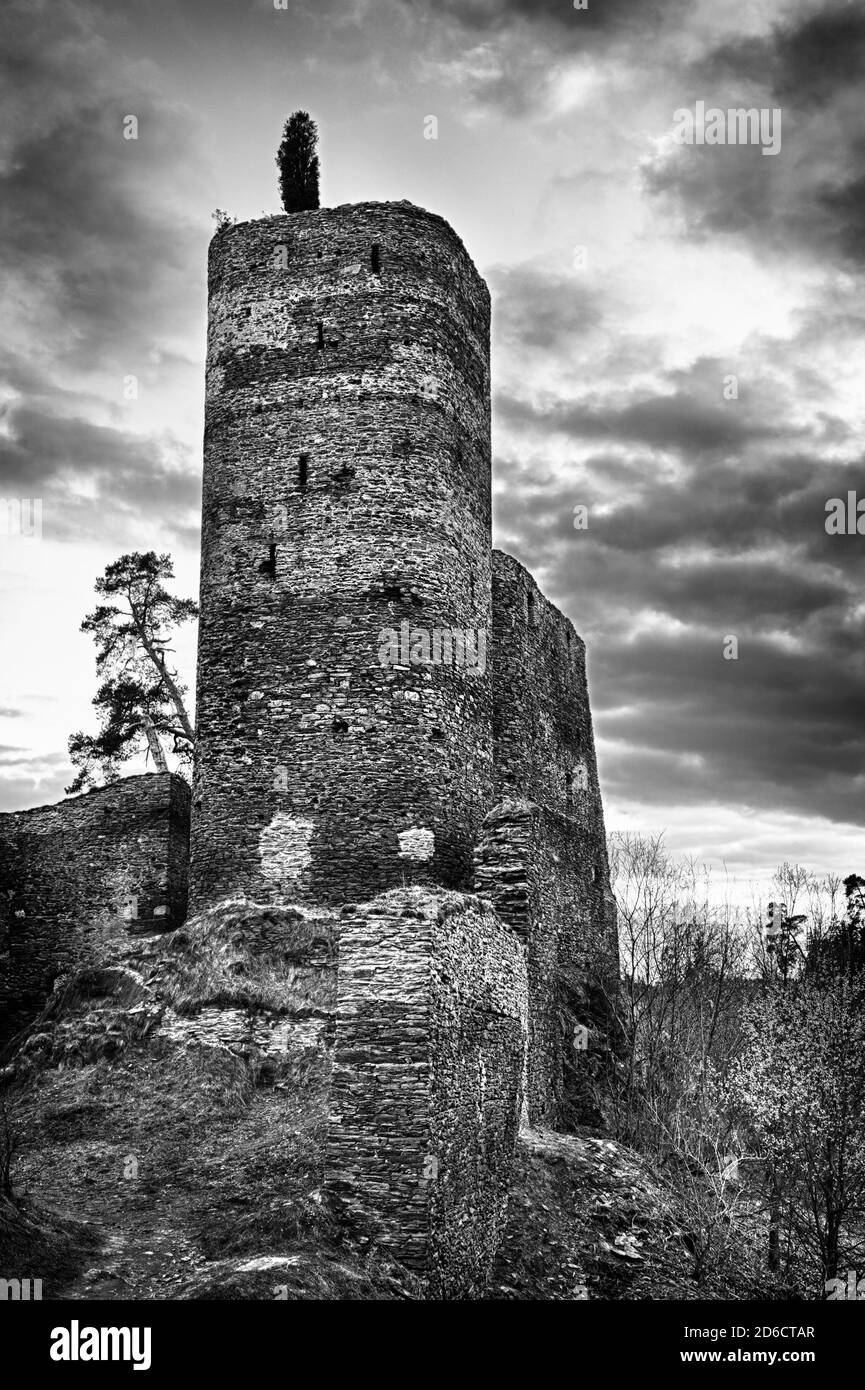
(543, 745)
(394, 742)
(76, 875)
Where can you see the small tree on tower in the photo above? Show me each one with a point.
(297, 162)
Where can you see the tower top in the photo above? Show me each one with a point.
(399, 217)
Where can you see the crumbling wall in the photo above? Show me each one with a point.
(542, 855)
(431, 1002)
(346, 502)
(76, 874)
(543, 743)
(547, 879)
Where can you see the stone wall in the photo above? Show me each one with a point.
(427, 1080)
(547, 877)
(542, 854)
(76, 874)
(388, 707)
(543, 741)
(346, 497)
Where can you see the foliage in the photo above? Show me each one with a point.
(799, 1086)
(141, 700)
(744, 1070)
(297, 162)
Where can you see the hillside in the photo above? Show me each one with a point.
(169, 1112)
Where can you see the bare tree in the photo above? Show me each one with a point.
(683, 961)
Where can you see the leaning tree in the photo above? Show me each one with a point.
(141, 700)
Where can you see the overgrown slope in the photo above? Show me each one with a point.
(170, 1109)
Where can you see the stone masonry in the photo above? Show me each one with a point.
(350, 754)
(427, 1081)
(346, 494)
(393, 734)
(75, 875)
(542, 857)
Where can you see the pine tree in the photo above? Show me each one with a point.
(142, 699)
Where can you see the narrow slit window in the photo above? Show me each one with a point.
(320, 344)
(375, 258)
(268, 566)
(303, 469)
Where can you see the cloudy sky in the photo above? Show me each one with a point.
(633, 278)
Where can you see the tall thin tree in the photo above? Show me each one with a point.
(297, 162)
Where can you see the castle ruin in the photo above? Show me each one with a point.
(347, 755)
(393, 726)
(78, 876)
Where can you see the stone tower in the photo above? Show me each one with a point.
(346, 497)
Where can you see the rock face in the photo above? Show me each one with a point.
(175, 1101)
(346, 520)
(185, 1113)
(76, 876)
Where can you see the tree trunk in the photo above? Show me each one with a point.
(154, 745)
(170, 685)
(775, 1222)
(177, 702)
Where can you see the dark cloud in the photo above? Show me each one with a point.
(846, 204)
(803, 63)
(809, 198)
(764, 730)
(520, 43)
(78, 216)
(772, 205)
(96, 253)
(706, 516)
(532, 308)
(677, 420)
(706, 520)
(129, 480)
(561, 17)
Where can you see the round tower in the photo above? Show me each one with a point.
(343, 707)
